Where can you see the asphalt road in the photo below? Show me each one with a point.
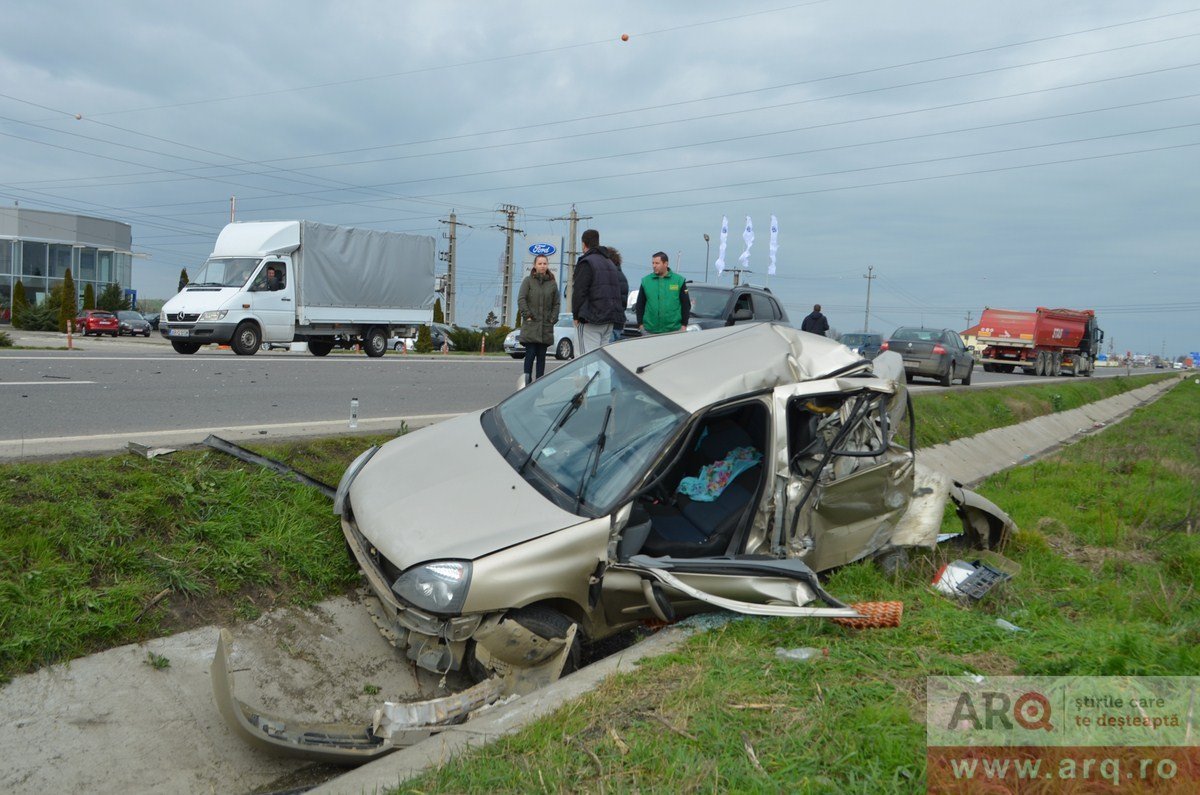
(108, 392)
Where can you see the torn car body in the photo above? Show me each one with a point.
(652, 479)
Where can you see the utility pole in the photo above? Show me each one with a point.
(867, 314)
(510, 210)
(572, 254)
(968, 318)
(232, 207)
(450, 258)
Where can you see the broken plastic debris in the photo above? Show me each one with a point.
(973, 579)
(976, 678)
(874, 615)
(148, 452)
(801, 654)
(1000, 622)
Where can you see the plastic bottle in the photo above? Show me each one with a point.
(801, 654)
(353, 412)
(1000, 622)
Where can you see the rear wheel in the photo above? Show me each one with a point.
(320, 347)
(185, 347)
(989, 368)
(375, 342)
(564, 349)
(948, 378)
(1039, 366)
(246, 339)
(1056, 364)
(970, 369)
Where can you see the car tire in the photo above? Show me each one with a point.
(948, 378)
(115, 333)
(320, 347)
(375, 342)
(517, 355)
(247, 339)
(908, 378)
(544, 622)
(970, 369)
(564, 350)
(185, 347)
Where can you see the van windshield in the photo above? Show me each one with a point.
(708, 303)
(226, 272)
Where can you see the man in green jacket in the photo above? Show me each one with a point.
(663, 304)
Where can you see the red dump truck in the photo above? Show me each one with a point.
(1044, 342)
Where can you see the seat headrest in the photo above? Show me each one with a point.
(721, 437)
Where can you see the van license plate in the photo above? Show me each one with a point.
(179, 332)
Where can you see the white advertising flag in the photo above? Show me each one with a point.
(721, 251)
(774, 245)
(748, 236)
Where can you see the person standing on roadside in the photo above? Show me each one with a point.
(614, 257)
(663, 304)
(815, 322)
(595, 295)
(538, 303)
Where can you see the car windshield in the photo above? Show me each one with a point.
(557, 444)
(707, 302)
(226, 272)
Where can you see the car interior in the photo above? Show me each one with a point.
(667, 523)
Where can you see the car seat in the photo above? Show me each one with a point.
(692, 528)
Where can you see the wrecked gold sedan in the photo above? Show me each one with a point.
(650, 480)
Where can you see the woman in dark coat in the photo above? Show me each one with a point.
(538, 302)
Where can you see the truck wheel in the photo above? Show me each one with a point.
(246, 339)
(375, 342)
(1056, 364)
(1039, 366)
(970, 369)
(989, 368)
(185, 347)
(320, 347)
(564, 349)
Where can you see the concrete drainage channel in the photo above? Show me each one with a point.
(119, 721)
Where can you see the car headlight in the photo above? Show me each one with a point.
(214, 314)
(343, 489)
(512, 337)
(439, 587)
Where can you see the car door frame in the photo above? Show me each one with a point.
(275, 309)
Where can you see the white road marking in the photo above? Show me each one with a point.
(47, 382)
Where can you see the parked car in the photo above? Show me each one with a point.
(97, 321)
(152, 319)
(865, 343)
(937, 353)
(132, 323)
(565, 340)
(439, 334)
(714, 306)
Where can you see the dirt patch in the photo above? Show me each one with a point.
(1059, 539)
(179, 612)
(1023, 410)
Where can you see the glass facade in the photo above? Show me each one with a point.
(41, 264)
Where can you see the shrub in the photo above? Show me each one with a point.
(5, 340)
(424, 340)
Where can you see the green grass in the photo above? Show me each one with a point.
(1109, 546)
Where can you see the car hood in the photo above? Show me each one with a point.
(446, 492)
(194, 300)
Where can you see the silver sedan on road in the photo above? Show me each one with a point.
(937, 353)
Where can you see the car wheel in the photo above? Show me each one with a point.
(375, 342)
(908, 378)
(185, 347)
(948, 378)
(546, 623)
(564, 349)
(517, 355)
(246, 339)
(970, 369)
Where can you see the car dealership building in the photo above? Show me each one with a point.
(37, 247)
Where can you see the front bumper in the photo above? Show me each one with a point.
(203, 333)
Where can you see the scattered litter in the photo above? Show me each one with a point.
(801, 654)
(149, 452)
(874, 615)
(976, 678)
(973, 579)
(943, 537)
(1000, 622)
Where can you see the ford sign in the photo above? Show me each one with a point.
(542, 249)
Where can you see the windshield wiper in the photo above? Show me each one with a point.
(598, 449)
(569, 408)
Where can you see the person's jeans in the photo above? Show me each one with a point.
(593, 336)
(535, 353)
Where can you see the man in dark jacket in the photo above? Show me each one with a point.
(815, 323)
(618, 320)
(596, 295)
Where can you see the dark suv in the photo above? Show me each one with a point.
(714, 306)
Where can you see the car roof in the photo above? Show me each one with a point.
(698, 368)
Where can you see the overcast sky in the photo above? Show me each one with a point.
(974, 154)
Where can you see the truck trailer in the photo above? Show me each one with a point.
(1043, 342)
(283, 282)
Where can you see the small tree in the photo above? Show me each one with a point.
(424, 340)
(495, 338)
(89, 296)
(20, 305)
(112, 299)
(69, 305)
(438, 315)
(183, 279)
(491, 321)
